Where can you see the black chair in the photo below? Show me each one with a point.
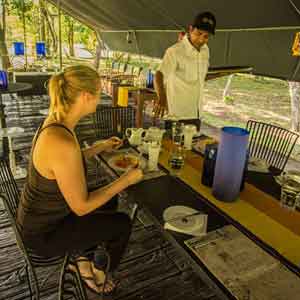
(70, 284)
(10, 194)
(270, 142)
(113, 121)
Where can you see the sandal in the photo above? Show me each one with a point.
(106, 288)
(86, 279)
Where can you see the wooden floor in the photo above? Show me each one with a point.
(151, 269)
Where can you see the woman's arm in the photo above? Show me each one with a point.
(66, 164)
(100, 146)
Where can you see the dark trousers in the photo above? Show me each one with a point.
(82, 234)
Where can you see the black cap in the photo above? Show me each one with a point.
(205, 21)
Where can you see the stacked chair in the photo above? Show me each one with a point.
(113, 121)
(271, 143)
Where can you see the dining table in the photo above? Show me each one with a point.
(256, 216)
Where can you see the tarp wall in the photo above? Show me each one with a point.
(257, 33)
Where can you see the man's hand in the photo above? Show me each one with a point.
(160, 107)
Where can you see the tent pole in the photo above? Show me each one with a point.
(59, 36)
(24, 34)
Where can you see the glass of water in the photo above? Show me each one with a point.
(176, 160)
(290, 194)
(177, 132)
(153, 152)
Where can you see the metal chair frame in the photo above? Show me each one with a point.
(113, 121)
(10, 194)
(270, 142)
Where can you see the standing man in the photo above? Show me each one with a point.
(179, 81)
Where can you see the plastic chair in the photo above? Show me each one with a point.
(270, 142)
(113, 121)
(10, 195)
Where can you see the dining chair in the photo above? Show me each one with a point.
(113, 121)
(271, 143)
(10, 194)
(70, 284)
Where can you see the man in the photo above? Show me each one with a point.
(179, 81)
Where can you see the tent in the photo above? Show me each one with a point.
(257, 33)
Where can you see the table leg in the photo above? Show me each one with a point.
(140, 108)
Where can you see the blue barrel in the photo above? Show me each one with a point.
(149, 79)
(19, 48)
(40, 48)
(230, 164)
(3, 80)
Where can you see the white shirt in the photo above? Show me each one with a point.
(184, 69)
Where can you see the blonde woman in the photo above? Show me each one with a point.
(57, 213)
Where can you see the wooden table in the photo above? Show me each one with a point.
(256, 211)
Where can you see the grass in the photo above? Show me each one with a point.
(251, 97)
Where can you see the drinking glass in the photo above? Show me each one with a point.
(176, 160)
(177, 132)
(290, 195)
(153, 151)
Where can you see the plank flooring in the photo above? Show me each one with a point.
(151, 269)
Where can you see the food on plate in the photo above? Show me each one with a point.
(125, 161)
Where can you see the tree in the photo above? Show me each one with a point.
(294, 88)
(3, 47)
(68, 23)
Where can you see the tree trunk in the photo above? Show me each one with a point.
(226, 89)
(98, 51)
(71, 38)
(42, 22)
(4, 63)
(294, 88)
(50, 26)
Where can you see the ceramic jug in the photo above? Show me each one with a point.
(135, 135)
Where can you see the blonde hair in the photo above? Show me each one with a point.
(65, 87)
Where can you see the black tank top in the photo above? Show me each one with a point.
(42, 206)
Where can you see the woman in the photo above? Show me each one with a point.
(56, 213)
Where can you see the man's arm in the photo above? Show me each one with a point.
(161, 105)
(167, 67)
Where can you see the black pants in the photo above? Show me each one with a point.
(81, 234)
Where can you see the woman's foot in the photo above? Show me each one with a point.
(100, 279)
(87, 274)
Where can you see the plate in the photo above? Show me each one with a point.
(292, 176)
(258, 165)
(123, 162)
(183, 219)
(11, 131)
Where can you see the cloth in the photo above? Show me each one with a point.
(184, 70)
(123, 95)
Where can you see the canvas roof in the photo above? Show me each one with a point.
(257, 33)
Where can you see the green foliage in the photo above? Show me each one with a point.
(229, 100)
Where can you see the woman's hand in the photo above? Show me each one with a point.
(112, 143)
(133, 176)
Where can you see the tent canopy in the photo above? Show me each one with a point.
(258, 33)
